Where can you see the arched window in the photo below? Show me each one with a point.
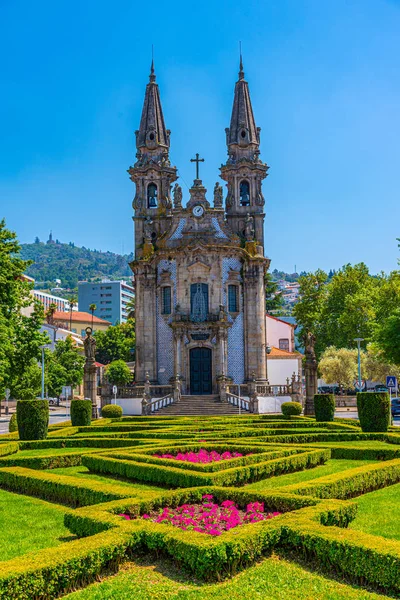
(244, 193)
(199, 302)
(152, 195)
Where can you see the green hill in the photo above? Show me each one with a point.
(72, 264)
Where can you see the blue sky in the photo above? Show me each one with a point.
(325, 84)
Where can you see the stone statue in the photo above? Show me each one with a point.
(90, 345)
(148, 229)
(177, 196)
(221, 313)
(218, 195)
(249, 228)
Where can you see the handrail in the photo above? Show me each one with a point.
(242, 403)
(150, 407)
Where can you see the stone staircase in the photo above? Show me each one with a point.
(199, 405)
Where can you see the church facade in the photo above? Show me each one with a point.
(199, 268)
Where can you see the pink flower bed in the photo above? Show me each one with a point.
(209, 517)
(202, 456)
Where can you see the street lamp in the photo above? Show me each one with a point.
(359, 340)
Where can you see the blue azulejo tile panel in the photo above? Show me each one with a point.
(165, 344)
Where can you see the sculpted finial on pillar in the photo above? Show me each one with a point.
(218, 195)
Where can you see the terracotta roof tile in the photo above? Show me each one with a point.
(78, 317)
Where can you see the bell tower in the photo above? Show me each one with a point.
(152, 173)
(244, 171)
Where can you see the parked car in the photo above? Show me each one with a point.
(324, 389)
(381, 388)
(395, 407)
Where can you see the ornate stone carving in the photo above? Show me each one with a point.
(90, 345)
(218, 195)
(177, 196)
(148, 229)
(249, 228)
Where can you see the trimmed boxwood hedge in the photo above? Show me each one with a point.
(111, 411)
(290, 409)
(81, 412)
(32, 419)
(12, 426)
(324, 407)
(374, 411)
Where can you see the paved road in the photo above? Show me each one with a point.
(58, 417)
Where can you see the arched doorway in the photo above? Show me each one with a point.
(200, 371)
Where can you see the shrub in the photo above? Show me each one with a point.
(291, 408)
(324, 407)
(32, 419)
(81, 412)
(374, 411)
(118, 372)
(111, 411)
(12, 426)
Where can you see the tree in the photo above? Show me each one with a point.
(20, 335)
(50, 313)
(72, 302)
(116, 343)
(130, 307)
(55, 374)
(387, 337)
(28, 385)
(273, 297)
(309, 308)
(376, 367)
(118, 373)
(339, 365)
(92, 308)
(67, 355)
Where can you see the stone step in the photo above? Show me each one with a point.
(200, 405)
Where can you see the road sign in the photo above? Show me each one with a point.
(115, 389)
(391, 382)
(7, 394)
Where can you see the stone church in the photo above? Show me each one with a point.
(199, 266)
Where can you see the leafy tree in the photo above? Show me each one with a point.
(273, 297)
(118, 373)
(68, 356)
(116, 343)
(339, 365)
(309, 308)
(387, 337)
(56, 375)
(20, 335)
(376, 367)
(50, 313)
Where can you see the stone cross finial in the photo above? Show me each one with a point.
(197, 160)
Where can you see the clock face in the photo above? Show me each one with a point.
(198, 211)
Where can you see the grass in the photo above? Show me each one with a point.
(332, 466)
(83, 472)
(378, 513)
(272, 579)
(54, 452)
(29, 524)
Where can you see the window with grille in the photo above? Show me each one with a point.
(233, 298)
(166, 300)
(284, 344)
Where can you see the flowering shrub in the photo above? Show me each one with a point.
(202, 456)
(209, 517)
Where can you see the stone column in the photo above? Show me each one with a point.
(255, 322)
(311, 366)
(89, 371)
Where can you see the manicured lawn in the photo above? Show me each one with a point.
(332, 466)
(85, 474)
(272, 579)
(54, 452)
(378, 512)
(28, 524)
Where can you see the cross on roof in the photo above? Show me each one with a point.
(197, 160)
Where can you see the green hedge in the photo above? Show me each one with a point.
(32, 419)
(324, 407)
(81, 412)
(49, 461)
(350, 483)
(13, 426)
(72, 491)
(8, 448)
(111, 411)
(290, 409)
(178, 477)
(374, 411)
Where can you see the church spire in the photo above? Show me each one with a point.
(242, 131)
(152, 133)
